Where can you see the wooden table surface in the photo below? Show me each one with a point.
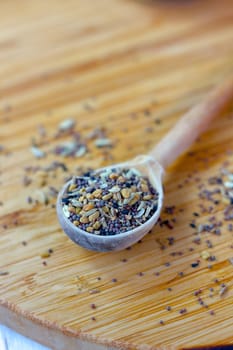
(127, 70)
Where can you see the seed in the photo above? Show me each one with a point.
(115, 189)
(105, 209)
(4, 273)
(84, 219)
(147, 197)
(97, 225)
(228, 184)
(89, 229)
(76, 203)
(144, 187)
(66, 125)
(140, 213)
(205, 255)
(97, 193)
(76, 223)
(116, 196)
(72, 187)
(66, 211)
(37, 152)
(121, 179)
(183, 311)
(88, 206)
(125, 192)
(223, 290)
(89, 212)
(113, 176)
(135, 199)
(90, 196)
(81, 199)
(94, 291)
(107, 197)
(72, 210)
(133, 188)
(148, 210)
(195, 264)
(78, 210)
(103, 142)
(45, 255)
(94, 216)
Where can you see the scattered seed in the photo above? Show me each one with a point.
(140, 274)
(195, 264)
(4, 273)
(103, 142)
(183, 311)
(192, 225)
(66, 125)
(228, 184)
(197, 292)
(205, 255)
(223, 290)
(45, 255)
(37, 152)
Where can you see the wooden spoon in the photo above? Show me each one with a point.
(177, 140)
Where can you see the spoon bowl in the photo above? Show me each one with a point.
(147, 166)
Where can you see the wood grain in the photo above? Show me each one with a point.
(133, 67)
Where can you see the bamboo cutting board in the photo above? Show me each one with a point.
(127, 70)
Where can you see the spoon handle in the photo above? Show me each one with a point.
(192, 124)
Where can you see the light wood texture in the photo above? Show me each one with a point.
(133, 68)
(193, 123)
